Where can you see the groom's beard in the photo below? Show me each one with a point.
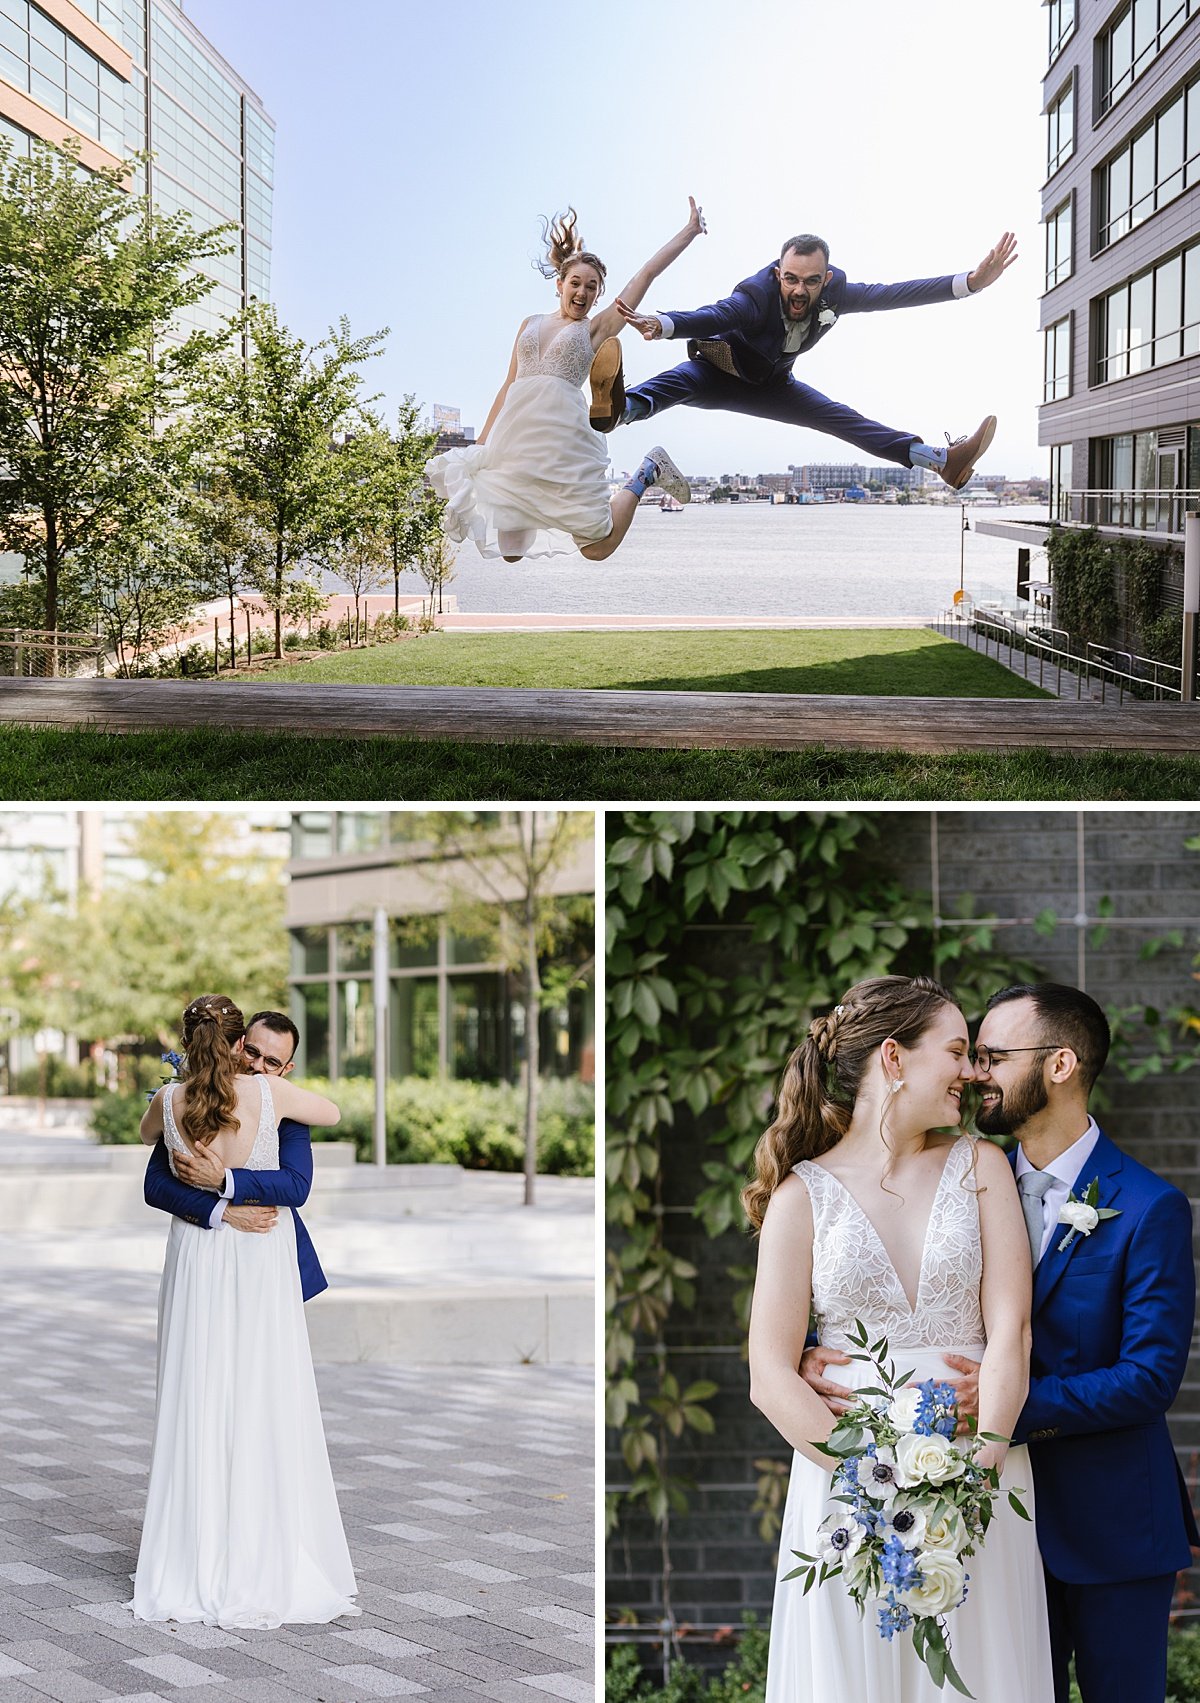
(1015, 1108)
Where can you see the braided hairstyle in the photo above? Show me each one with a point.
(822, 1078)
(564, 247)
(212, 1027)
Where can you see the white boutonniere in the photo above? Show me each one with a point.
(826, 318)
(1083, 1215)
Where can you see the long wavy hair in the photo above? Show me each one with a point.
(564, 246)
(823, 1076)
(212, 1027)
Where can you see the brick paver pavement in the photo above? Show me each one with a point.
(466, 1494)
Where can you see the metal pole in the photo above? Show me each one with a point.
(1191, 604)
(962, 545)
(380, 969)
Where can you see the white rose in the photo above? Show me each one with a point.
(927, 1460)
(826, 317)
(948, 1531)
(839, 1537)
(941, 1587)
(1079, 1216)
(856, 1569)
(903, 1409)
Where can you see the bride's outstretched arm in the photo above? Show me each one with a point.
(611, 320)
(151, 1126)
(1005, 1298)
(302, 1104)
(502, 393)
(779, 1323)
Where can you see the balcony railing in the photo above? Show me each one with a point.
(33, 653)
(1130, 511)
(1052, 659)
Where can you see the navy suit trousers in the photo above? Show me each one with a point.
(1118, 1636)
(698, 384)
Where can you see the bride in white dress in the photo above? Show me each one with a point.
(873, 1206)
(242, 1525)
(535, 482)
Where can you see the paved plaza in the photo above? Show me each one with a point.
(466, 1493)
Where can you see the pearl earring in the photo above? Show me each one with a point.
(897, 1084)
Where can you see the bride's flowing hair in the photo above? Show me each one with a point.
(822, 1078)
(212, 1027)
(564, 246)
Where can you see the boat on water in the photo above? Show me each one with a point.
(671, 505)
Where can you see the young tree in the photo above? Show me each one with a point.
(412, 513)
(355, 544)
(230, 546)
(503, 881)
(436, 564)
(273, 418)
(90, 280)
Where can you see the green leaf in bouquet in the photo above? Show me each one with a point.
(1017, 1506)
(955, 1678)
(826, 1449)
(898, 1383)
(994, 1437)
(871, 1390)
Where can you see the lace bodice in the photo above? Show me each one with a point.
(853, 1277)
(568, 355)
(264, 1155)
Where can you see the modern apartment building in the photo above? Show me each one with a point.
(452, 1009)
(1120, 312)
(130, 76)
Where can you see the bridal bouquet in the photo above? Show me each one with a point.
(917, 1505)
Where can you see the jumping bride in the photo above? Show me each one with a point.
(242, 1525)
(874, 1205)
(535, 483)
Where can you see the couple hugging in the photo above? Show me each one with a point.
(242, 1526)
(535, 482)
(1054, 1286)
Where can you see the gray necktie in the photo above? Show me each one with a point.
(1032, 1185)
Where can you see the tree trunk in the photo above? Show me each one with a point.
(232, 634)
(279, 597)
(52, 585)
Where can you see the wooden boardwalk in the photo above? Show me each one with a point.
(679, 720)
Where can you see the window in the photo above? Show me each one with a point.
(1132, 42)
(1062, 23)
(1149, 320)
(1060, 481)
(1061, 129)
(1150, 170)
(312, 833)
(1058, 245)
(1058, 360)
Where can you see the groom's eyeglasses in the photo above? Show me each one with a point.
(985, 1057)
(251, 1051)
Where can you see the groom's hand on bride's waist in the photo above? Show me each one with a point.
(253, 1218)
(966, 1386)
(813, 1361)
(200, 1170)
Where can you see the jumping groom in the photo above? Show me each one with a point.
(741, 353)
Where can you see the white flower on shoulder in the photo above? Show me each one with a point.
(927, 1460)
(941, 1587)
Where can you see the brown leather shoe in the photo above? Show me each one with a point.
(965, 452)
(608, 386)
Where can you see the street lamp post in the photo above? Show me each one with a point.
(379, 964)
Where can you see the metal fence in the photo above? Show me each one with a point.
(1159, 511)
(1045, 656)
(39, 654)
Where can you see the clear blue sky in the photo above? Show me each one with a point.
(417, 145)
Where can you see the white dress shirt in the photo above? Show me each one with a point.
(216, 1218)
(1065, 1169)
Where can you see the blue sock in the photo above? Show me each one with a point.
(646, 474)
(926, 455)
(636, 408)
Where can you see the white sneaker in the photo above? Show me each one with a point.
(668, 477)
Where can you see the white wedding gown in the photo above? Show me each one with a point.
(821, 1650)
(539, 485)
(242, 1525)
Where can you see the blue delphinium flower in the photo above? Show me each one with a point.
(899, 1565)
(894, 1618)
(937, 1409)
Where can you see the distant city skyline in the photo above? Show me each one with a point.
(416, 149)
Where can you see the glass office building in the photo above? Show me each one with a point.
(452, 1009)
(136, 76)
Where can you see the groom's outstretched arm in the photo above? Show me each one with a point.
(165, 1192)
(291, 1184)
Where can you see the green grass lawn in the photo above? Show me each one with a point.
(905, 662)
(44, 765)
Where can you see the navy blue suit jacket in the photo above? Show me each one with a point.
(751, 320)
(1112, 1325)
(288, 1186)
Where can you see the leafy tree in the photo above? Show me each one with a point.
(358, 504)
(273, 419)
(90, 280)
(501, 882)
(436, 564)
(230, 547)
(412, 513)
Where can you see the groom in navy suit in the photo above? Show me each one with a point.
(1113, 1308)
(247, 1201)
(741, 352)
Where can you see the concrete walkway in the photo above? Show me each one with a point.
(664, 720)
